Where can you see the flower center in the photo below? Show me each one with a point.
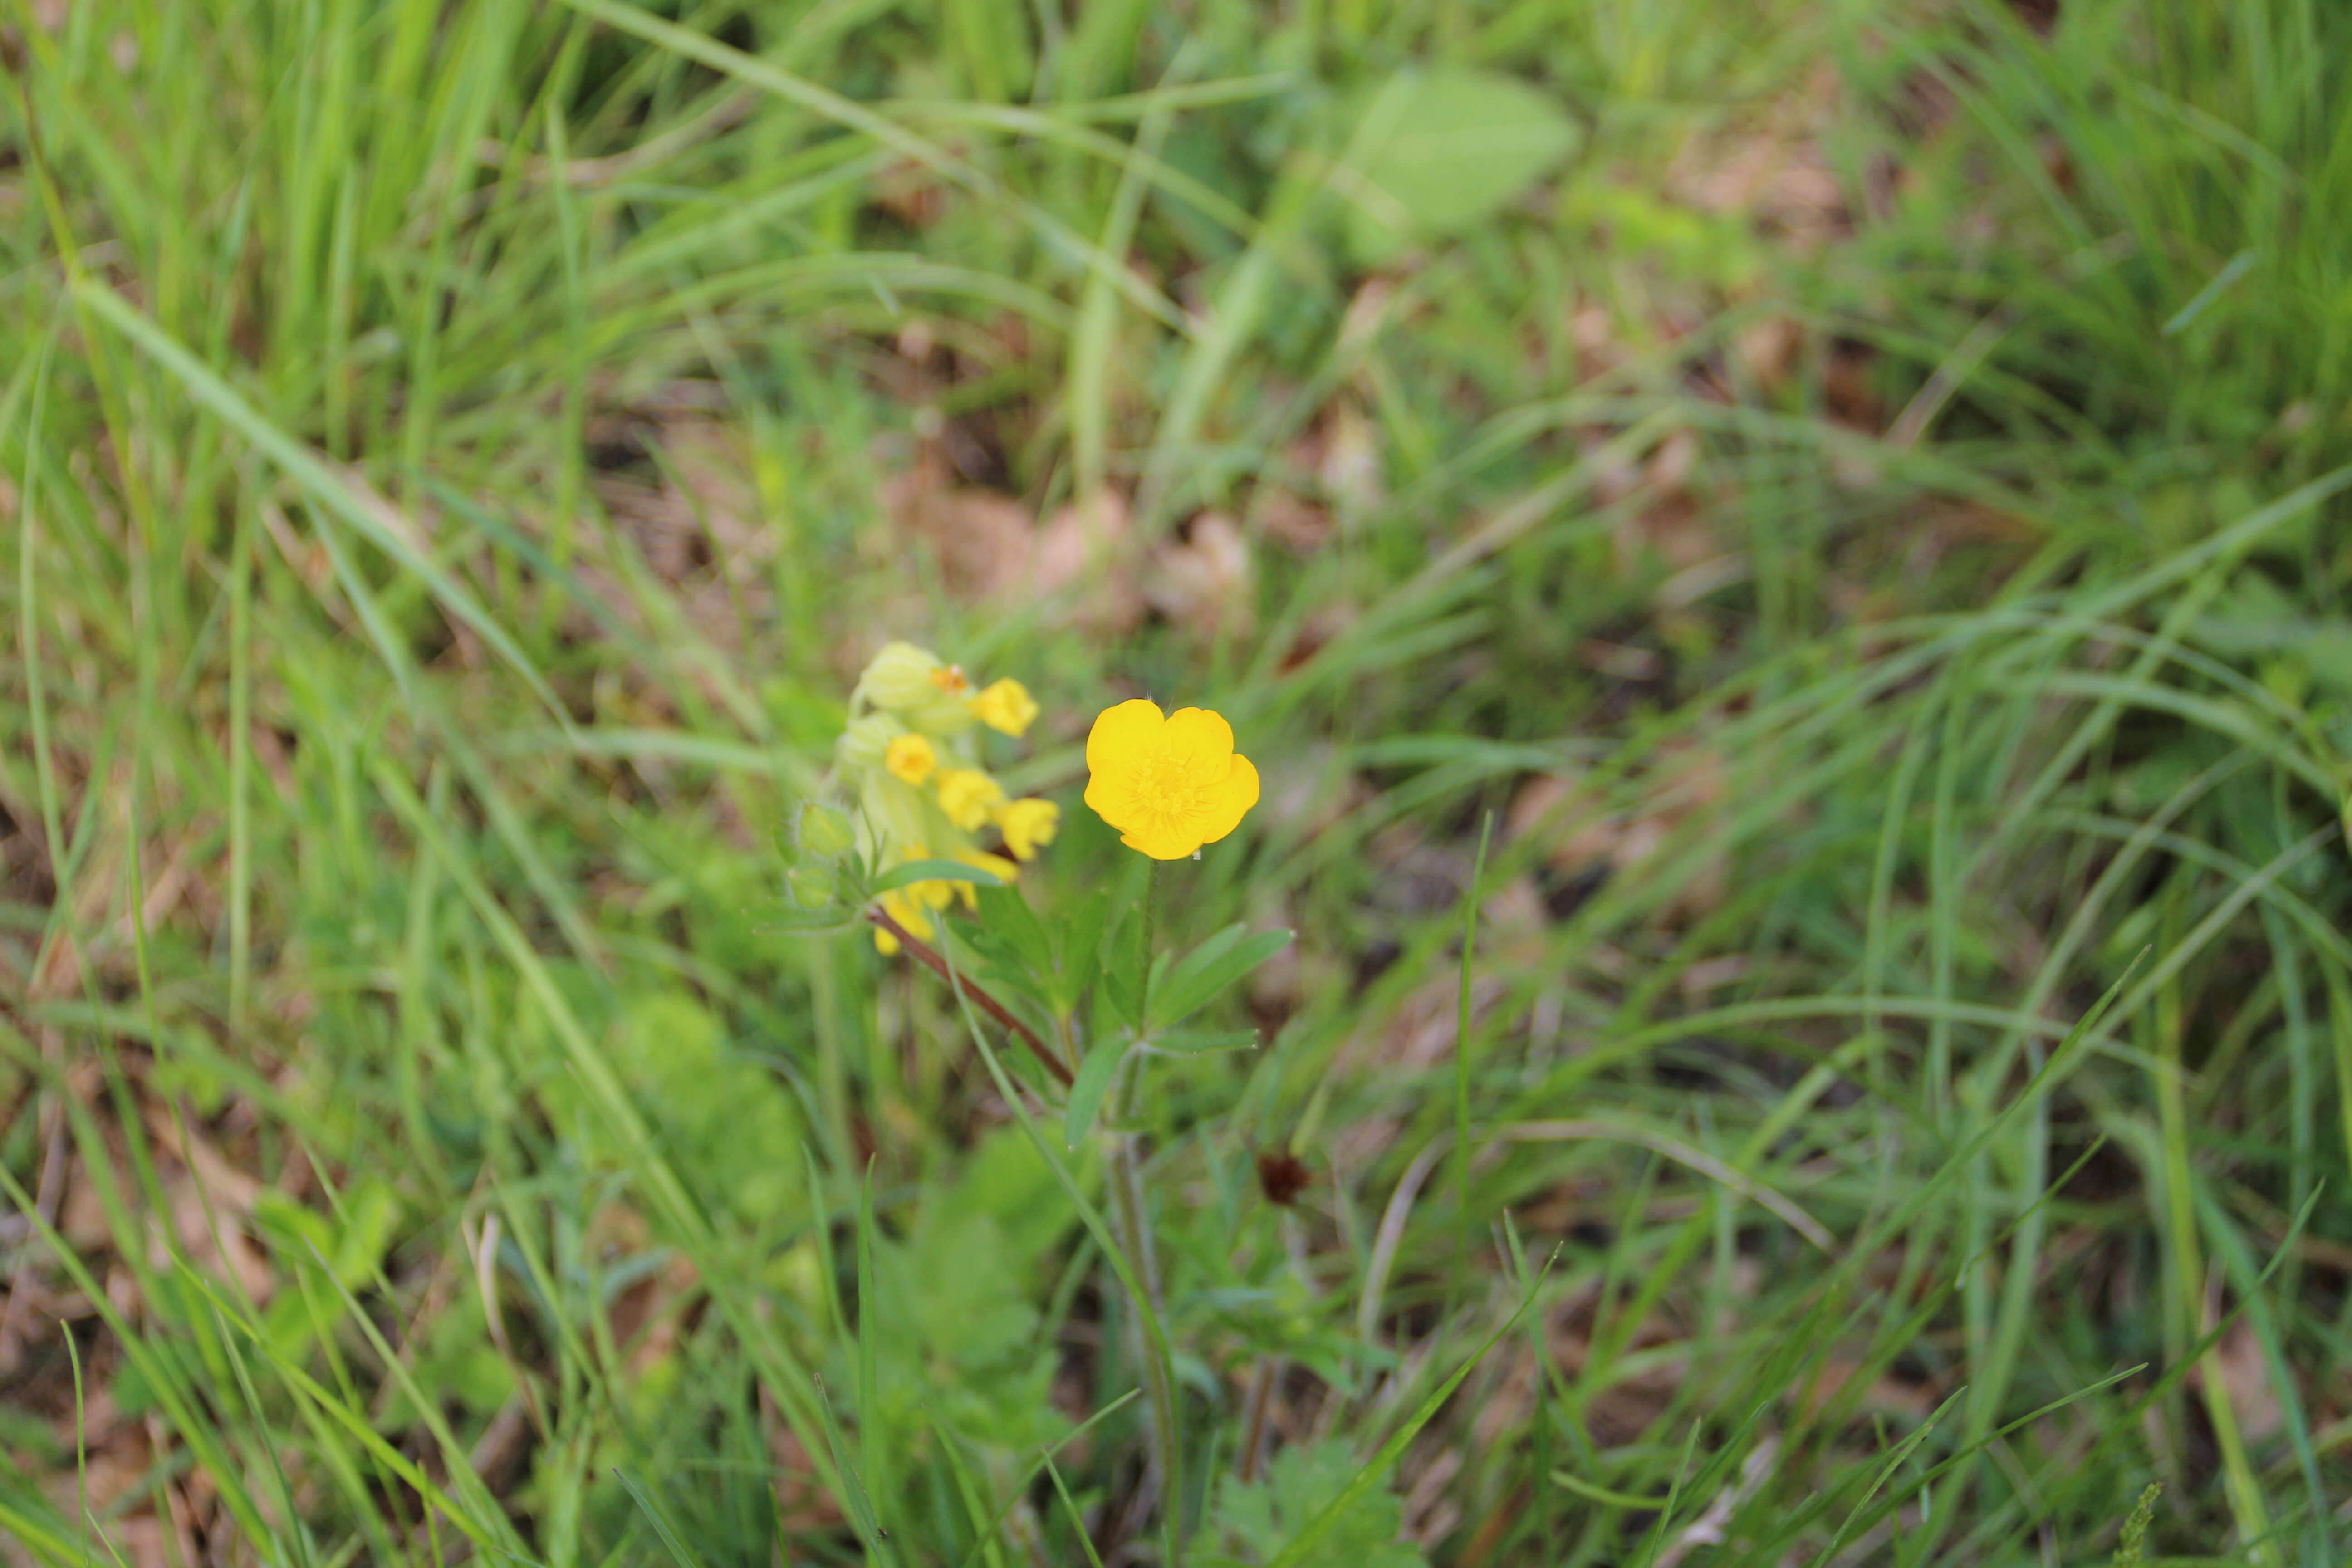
(1167, 789)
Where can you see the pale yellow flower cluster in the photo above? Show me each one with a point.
(908, 760)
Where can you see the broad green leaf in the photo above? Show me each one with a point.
(1206, 971)
(1077, 948)
(1086, 1091)
(909, 872)
(1437, 150)
(1177, 980)
(1123, 962)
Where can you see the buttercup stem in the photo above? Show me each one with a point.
(1128, 1215)
(1151, 918)
(1132, 1216)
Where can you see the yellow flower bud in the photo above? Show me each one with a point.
(1026, 824)
(969, 795)
(910, 758)
(1005, 706)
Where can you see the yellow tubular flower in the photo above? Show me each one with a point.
(1026, 824)
(908, 914)
(1168, 783)
(996, 864)
(1005, 706)
(968, 796)
(911, 758)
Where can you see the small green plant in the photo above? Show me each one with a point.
(1089, 994)
(2130, 1551)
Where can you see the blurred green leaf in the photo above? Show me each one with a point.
(1206, 973)
(1093, 1080)
(823, 831)
(1123, 969)
(1204, 1042)
(1300, 1483)
(1004, 913)
(911, 871)
(1437, 150)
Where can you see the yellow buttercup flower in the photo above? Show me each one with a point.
(969, 795)
(1168, 783)
(1026, 824)
(910, 758)
(1005, 706)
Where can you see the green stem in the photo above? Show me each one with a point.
(1151, 918)
(1462, 1066)
(1130, 1216)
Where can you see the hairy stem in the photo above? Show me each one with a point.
(922, 954)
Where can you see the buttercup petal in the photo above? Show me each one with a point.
(1120, 734)
(1112, 797)
(1229, 801)
(1165, 842)
(1199, 733)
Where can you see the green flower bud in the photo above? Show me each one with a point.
(899, 676)
(811, 887)
(863, 741)
(823, 831)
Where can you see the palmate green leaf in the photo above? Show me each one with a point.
(1437, 150)
(1006, 915)
(1206, 973)
(1301, 1483)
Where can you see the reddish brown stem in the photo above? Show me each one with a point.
(922, 954)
